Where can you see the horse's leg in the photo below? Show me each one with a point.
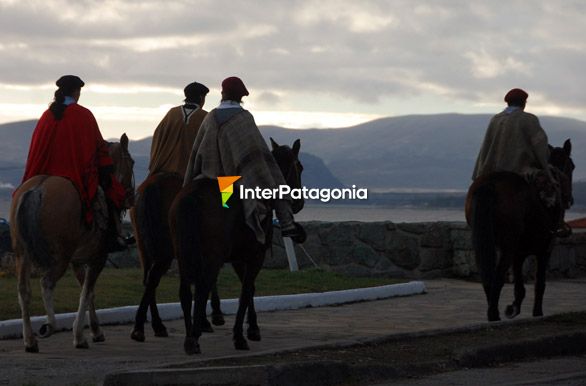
(247, 274)
(97, 333)
(540, 284)
(515, 308)
(152, 280)
(48, 283)
(86, 300)
(24, 299)
(496, 285)
(156, 322)
(190, 344)
(217, 314)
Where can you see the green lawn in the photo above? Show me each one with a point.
(121, 287)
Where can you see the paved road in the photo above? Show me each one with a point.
(448, 303)
(568, 371)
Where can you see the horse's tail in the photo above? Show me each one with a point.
(185, 231)
(28, 218)
(150, 226)
(483, 230)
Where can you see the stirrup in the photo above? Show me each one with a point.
(564, 231)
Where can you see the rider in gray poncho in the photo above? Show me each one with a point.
(229, 144)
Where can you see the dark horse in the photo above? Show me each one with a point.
(509, 222)
(48, 232)
(206, 235)
(151, 228)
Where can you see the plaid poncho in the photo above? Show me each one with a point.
(236, 148)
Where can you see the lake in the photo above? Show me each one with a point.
(394, 214)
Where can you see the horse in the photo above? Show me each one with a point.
(206, 235)
(48, 232)
(510, 222)
(149, 218)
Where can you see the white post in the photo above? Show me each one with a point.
(291, 256)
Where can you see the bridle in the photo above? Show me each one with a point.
(124, 172)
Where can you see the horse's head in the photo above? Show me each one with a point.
(123, 168)
(288, 160)
(560, 158)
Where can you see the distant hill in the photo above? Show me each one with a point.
(416, 152)
(15, 139)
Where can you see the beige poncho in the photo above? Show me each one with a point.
(236, 148)
(173, 140)
(514, 142)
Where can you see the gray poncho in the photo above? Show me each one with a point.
(236, 148)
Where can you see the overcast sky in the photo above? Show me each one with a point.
(306, 63)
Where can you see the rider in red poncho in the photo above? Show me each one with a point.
(67, 142)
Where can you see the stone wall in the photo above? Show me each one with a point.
(412, 250)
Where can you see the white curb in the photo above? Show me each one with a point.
(172, 311)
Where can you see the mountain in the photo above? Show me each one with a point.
(15, 139)
(415, 152)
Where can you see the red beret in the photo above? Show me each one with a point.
(234, 87)
(516, 95)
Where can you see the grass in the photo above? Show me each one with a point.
(122, 287)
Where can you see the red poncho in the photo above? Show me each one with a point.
(73, 148)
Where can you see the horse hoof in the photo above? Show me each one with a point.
(493, 317)
(537, 314)
(46, 331)
(191, 346)
(253, 334)
(34, 348)
(83, 345)
(99, 338)
(160, 331)
(241, 344)
(206, 326)
(218, 320)
(137, 335)
(512, 311)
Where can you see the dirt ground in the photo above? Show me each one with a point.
(432, 352)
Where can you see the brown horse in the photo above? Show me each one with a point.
(206, 235)
(49, 232)
(151, 228)
(509, 222)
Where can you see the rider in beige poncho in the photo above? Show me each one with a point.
(515, 142)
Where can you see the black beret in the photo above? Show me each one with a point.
(195, 90)
(69, 82)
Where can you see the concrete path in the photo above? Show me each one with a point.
(448, 303)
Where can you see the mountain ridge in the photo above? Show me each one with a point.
(431, 151)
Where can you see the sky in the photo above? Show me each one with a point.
(307, 64)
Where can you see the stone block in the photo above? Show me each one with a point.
(461, 239)
(373, 234)
(434, 259)
(436, 235)
(402, 250)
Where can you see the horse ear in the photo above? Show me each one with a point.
(124, 141)
(296, 146)
(274, 144)
(568, 147)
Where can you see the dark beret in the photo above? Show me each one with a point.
(234, 87)
(516, 95)
(69, 82)
(195, 90)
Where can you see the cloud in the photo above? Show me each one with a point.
(364, 52)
